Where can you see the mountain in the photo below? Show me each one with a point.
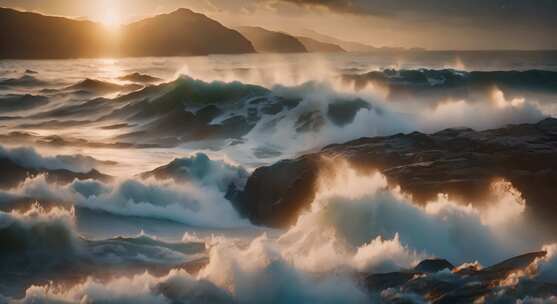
(349, 46)
(459, 162)
(266, 41)
(26, 35)
(182, 32)
(31, 36)
(316, 46)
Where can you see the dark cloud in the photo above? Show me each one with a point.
(480, 12)
(432, 24)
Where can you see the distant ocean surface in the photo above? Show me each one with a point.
(168, 67)
(61, 81)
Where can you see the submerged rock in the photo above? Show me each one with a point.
(13, 174)
(433, 265)
(140, 78)
(426, 284)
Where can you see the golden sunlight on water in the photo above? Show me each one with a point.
(278, 151)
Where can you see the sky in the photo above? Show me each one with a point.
(431, 24)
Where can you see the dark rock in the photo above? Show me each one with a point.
(433, 265)
(141, 78)
(343, 112)
(381, 281)
(272, 194)
(461, 287)
(13, 174)
(459, 162)
(502, 270)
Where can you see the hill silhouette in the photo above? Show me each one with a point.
(29, 36)
(316, 46)
(26, 35)
(266, 41)
(182, 32)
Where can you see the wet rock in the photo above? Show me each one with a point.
(140, 78)
(13, 174)
(433, 265)
(342, 113)
(460, 162)
(459, 287)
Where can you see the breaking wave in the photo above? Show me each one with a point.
(28, 158)
(361, 240)
(367, 228)
(196, 197)
(39, 245)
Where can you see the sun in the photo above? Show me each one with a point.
(111, 19)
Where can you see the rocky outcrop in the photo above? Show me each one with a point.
(274, 195)
(465, 285)
(140, 78)
(459, 162)
(433, 265)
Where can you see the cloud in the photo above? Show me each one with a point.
(490, 11)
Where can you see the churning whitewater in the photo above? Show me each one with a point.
(303, 178)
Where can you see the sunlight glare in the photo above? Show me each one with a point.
(109, 13)
(111, 19)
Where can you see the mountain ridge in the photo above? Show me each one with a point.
(267, 41)
(31, 35)
(182, 32)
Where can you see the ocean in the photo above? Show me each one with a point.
(134, 163)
